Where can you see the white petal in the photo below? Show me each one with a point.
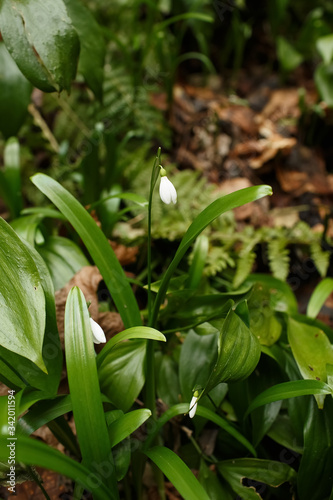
(193, 407)
(97, 331)
(168, 192)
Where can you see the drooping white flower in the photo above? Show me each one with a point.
(193, 405)
(97, 331)
(168, 192)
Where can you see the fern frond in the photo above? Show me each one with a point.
(320, 257)
(278, 256)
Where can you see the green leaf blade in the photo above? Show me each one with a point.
(42, 41)
(97, 245)
(84, 386)
(178, 473)
(288, 390)
(22, 300)
(319, 296)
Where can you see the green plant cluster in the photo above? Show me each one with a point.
(215, 370)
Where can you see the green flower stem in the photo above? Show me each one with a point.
(150, 371)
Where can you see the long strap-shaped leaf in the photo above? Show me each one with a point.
(182, 409)
(178, 473)
(32, 452)
(97, 245)
(210, 213)
(84, 388)
(288, 390)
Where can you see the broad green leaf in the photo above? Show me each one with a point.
(92, 45)
(289, 57)
(319, 296)
(183, 408)
(28, 228)
(136, 198)
(263, 320)
(314, 478)
(288, 390)
(83, 384)
(52, 353)
(122, 373)
(282, 432)
(97, 245)
(202, 348)
(323, 77)
(22, 299)
(44, 412)
(63, 259)
(178, 473)
(212, 484)
(32, 452)
(239, 353)
(12, 173)
(167, 383)
(312, 350)
(136, 332)
(42, 41)
(210, 213)
(324, 46)
(15, 91)
(282, 299)
(126, 424)
(266, 471)
(266, 375)
(200, 252)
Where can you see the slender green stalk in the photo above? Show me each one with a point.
(153, 181)
(150, 373)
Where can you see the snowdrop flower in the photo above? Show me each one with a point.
(193, 404)
(168, 192)
(97, 331)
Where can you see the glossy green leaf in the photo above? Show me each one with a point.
(264, 323)
(42, 413)
(288, 390)
(122, 373)
(22, 299)
(202, 348)
(33, 452)
(168, 388)
(282, 432)
(324, 46)
(183, 408)
(136, 332)
(319, 296)
(314, 478)
(239, 353)
(126, 424)
(323, 77)
(200, 252)
(97, 245)
(12, 173)
(210, 213)
(266, 471)
(63, 259)
(42, 41)
(83, 384)
(266, 375)
(15, 91)
(178, 473)
(212, 484)
(282, 299)
(289, 57)
(312, 350)
(92, 45)
(52, 352)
